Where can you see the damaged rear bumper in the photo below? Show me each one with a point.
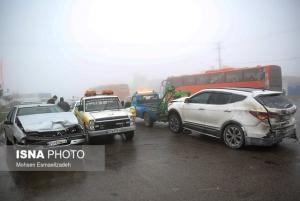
(274, 137)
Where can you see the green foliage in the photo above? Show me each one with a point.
(169, 95)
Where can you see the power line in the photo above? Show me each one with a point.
(271, 60)
(219, 48)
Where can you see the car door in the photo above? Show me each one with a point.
(217, 110)
(193, 110)
(79, 113)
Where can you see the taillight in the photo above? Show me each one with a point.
(260, 115)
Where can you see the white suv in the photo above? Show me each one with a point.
(239, 116)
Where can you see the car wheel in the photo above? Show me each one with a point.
(129, 135)
(233, 136)
(147, 120)
(6, 140)
(175, 124)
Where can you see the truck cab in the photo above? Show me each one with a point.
(147, 105)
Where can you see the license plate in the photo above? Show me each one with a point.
(57, 142)
(113, 131)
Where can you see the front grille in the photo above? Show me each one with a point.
(112, 124)
(112, 118)
(74, 130)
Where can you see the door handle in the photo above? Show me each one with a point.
(201, 109)
(227, 110)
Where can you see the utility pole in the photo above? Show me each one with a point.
(219, 54)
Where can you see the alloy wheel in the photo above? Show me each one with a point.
(233, 136)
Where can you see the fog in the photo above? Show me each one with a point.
(65, 47)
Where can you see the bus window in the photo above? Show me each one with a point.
(253, 74)
(176, 81)
(189, 80)
(234, 76)
(217, 78)
(203, 79)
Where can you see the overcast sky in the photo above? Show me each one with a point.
(64, 47)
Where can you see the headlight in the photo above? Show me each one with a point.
(92, 125)
(23, 141)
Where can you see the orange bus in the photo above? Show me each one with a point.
(261, 77)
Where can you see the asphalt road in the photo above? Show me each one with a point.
(158, 165)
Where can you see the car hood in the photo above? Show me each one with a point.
(48, 121)
(179, 99)
(109, 113)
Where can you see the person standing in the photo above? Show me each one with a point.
(52, 100)
(63, 105)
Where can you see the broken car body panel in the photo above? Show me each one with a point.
(48, 122)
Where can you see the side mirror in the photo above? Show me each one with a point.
(80, 108)
(187, 100)
(7, 122)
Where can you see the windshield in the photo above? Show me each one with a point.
(100, 104)
(38, 110)
(147, 98)
(275, 101)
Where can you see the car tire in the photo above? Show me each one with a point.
(147, 120)
(6, 140)
(175, 124)
(233, 136)
(129, 135)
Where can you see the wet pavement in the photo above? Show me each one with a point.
(159, 165)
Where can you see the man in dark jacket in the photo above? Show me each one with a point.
(52, 100)
(63, 105)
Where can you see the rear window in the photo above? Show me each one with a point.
(151, 98)
(275, 101)
(39, 110)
